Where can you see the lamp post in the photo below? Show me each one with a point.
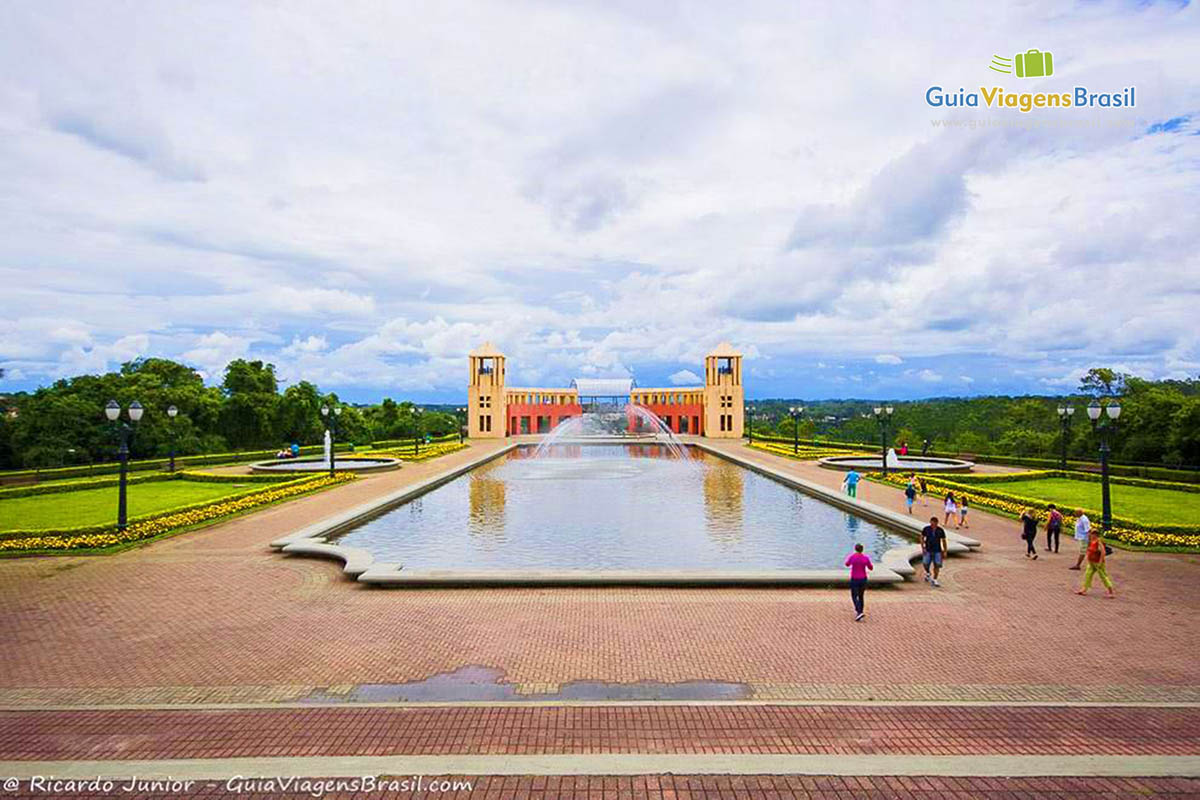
(884, 415)
(171, 412)
(1064, 422)
(124, 431)
(332, 422)
(417, 438)
(748, 413)
(1105, 429)
(461, 413)
(794, 412)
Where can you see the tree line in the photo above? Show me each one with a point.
(1159, 422)
(64, 423)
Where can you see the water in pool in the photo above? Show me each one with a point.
(615, 507)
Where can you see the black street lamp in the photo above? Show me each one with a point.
(1064, 422)
(332, 421)
(461, 413)
(1105, 430)
(171, 412)
(794, 412)
(884, 415)
(748, 413)
(124, 432)
(417, 438)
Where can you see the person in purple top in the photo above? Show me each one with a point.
(858, 562)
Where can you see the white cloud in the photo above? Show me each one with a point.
(929, 376)
(213, 351)
(685, 377)
(362, 195)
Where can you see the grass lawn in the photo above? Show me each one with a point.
(1136, 503)
(98, 506)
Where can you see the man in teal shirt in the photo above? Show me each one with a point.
(851, 483)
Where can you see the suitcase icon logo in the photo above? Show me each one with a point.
(1030, 64)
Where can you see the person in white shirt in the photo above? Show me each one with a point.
(1083, 526)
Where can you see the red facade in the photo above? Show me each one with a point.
(538, 417)
(672, 414)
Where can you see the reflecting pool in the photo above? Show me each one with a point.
(615, 507)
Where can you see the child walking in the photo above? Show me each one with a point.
(951, 508)
(858, 562)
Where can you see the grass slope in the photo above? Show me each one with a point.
(98, 506)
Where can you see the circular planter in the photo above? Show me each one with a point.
(902, 464)
(310, 466)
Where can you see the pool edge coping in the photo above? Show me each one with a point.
(894, 567)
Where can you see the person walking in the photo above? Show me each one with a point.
(1097, 558)
(1029, 532)
(858, 562)
(851, 482)
(925, 448)
(1083, 526)
(933, 550)
(962, 512)
(951, 508)
(910, 493)
(1053, 529)
(924, 490)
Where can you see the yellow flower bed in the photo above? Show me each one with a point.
(185, 518)
(428, 451)
(1016, 505)
(805, 452)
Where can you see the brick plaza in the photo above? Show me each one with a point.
(210, 646)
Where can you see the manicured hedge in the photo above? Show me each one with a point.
(1125, 530)
(1123, 470)
(76, 486)
(407, 444)
(160, 522)
(804, 453)
(112, 467)
(807, 441)
(1090, 477)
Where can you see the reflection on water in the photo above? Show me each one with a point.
(487, 506)
(724, 497)
(615, 507)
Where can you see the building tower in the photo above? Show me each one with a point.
(486, 409)
(724, 396)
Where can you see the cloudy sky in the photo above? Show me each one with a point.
(361, 192)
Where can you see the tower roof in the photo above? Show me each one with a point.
(486, 350)
(724, 350)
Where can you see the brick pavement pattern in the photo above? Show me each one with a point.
(215, 616)
(481, 730)
(738, 787)
(217, 608)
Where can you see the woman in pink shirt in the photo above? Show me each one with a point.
(858, 562)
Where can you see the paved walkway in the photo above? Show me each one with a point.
(215, 617)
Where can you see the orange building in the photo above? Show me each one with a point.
(496, 410)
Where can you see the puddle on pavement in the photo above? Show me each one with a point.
(477, 683)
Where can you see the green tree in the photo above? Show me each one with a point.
(1103, 382)
(298, 414)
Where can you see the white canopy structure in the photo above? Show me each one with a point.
(616, 389)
